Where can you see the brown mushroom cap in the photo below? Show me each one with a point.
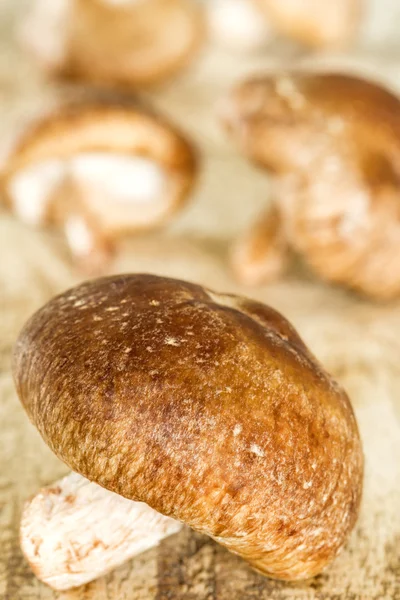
(207, 407)
(298, 107)
(335, 142)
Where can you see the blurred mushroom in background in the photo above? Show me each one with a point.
(249, 25)
(126, 43)
(315, 23)
(98, 171)
(333, 142)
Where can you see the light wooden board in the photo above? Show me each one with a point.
(358, 341)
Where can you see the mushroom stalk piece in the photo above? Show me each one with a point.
(90, 246)
(261, 254)
(333, 143)
(208, 407)
(75, 531)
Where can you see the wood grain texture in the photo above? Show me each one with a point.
(356, 340)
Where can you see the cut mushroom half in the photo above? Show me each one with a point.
(124, 42)
(99, 172)
(75, 531)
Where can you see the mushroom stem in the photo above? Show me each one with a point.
(261, 254)
(75, 531)
(86, 240)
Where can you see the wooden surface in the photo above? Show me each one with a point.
(358, 341)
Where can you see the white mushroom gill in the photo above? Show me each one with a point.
(31, 189)
(124, 180)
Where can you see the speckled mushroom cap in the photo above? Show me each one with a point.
(334, 142)
(208, 407)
